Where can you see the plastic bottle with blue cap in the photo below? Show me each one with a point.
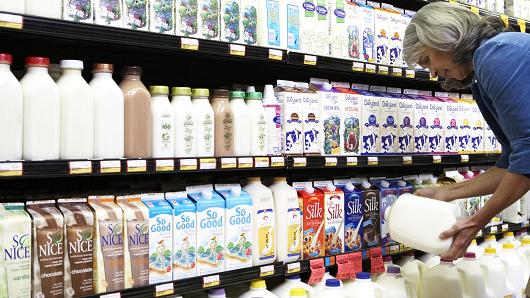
(363, 287)
(469, 267)
(333, 289)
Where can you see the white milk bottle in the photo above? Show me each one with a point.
(413, 271)
(473, 278)
(273, 121)
(263, 229)
(241, 123)
(362, 287)
(204, 117)
(495, 274)
(258, 288)
(524, 253)
(395, 286)
(298, 293)
(491, 241)
(42, 112)
(430, 260)
(288, 221)
(16, 6)
(333, 289)
(509, 237)
(513, 264)
(109, 130)
(184, 124)
(474, 248)
(11, 110)
(442, 281)
(162, 118)
(405, 258)
(292, 282)
(44, 8)
(77, 112)
(318, 287)
(258, 124)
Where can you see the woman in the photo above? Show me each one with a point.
(470, 51)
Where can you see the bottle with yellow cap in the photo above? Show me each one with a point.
(474, 248)
(184, 125)
(494, 272)
(204, 125)
(292, 282)
(491, 241)
(509, 237)
(162, 134)
(524, 253)
(258, 288)
(297, 293)
(513, 264)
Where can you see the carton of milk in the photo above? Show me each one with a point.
(314, 27)
(230, 20)
(136, 15)
(398, 23)
(371, 225)
(184, 235)
(290, 101)
(238, 226)
(311, 202)
(354, 19)
(382, 28)
(350, 116)
(370, 123)
(405, 125)
(330, 110)
(477, 133)
(491, 145)
(210, 229)
(249, 22)
(389, 128)
(464, 133)
(435, 119)
(108, 13)
(339, 29)
(162, 16)
(421, 127)
(311, 121)
(450, 125)
(333, 217)
(366, 33)
(160, 238)
(353, 213)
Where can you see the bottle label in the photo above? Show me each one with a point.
(166, 135)
(208, 133)
(189, 133)
(294, 241)
(266, 234)
(227, 131)
(262, 133)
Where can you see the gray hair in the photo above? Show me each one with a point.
(448, 28)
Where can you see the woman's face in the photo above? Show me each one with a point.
(441, 64)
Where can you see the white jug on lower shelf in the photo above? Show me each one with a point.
(472, 278)
(396, 286)
(474, 248)
(513, 265)
(509, 237)
(333, 289)
(362, 287)
(491, 241)
(524, 253)
(292, 282)
(258, 288)
(430, 260)
(413, 271)
(495, 273)
(322, 284)
(442, 281)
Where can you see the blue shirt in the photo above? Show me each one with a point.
(502, 93)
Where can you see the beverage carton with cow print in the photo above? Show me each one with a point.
(421, 127)
(382, 29)
(311, 121)
(389, 130)
(290, 101)
(477, 134)
(311, 203)
(465, 129)
(435, 122)
(370, 122)
(350, 116)
(404, 123)
(397, 24)
(450, 125)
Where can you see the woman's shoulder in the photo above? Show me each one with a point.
(506, 47)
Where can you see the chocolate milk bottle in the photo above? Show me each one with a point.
(224, 119)
(78, 244)
(48, 241)
(137, 114)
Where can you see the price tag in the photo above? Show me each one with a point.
(358, 66)
(210, 281)
(351, 161)
(331, 161)
(299, 162)
(11, 21)
(165, 165)
(493, 230)
(394, 249)
(317, 271)
(237, 50)
(356, 262)
(207, 164)
(293, 268)
(504, 19)
(410, 73)
(310, 60)
(475, 10)
(109, 166)
(11, 169)
(164, 290)
(245, 162)
(277, 161)
(383, 70)
(189, 44)
(80, 167)
(522, 25)
(266, 270)
(111, 295)
(228, 163)
(373, 161)
(370, 68)
(376, 261)
(407, 160)
(504, 227)
(261, 162)
(275, 54)
(464, 158)
(136, 165)
(188, 164)
(343, 268)
(436, 159)
(397, 72)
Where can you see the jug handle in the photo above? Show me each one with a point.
(423, 269)
(463, 282)
(379, 291)
(411, 288)
(509, 284)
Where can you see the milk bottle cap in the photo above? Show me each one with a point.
(254, 96)
(402, 183)
(349, 186)
(334, 283)
(235, 191)
(132, 70)
(37, 61)
(385, 184)
(362, 275)
(309, 189)
(473, 242)
(258, 284)
(221, 93)
(207, 194)
(297, 292)
(508, 246)
(393, 270)
(216, 293)
(331, 187)
(6, 59)
(201, 92)
(508, 234)
(525, 242)
(181, 91)
(237, 94)
(268, 95)
(490, 250)
(491, 238)
(251, 89)
(470, 255)
(366, 185)
(72, 64)
(159, 90)
(102, 67)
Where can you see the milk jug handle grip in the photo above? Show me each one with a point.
(411, 288)
(509, 282)
(463, 282)
(379, 291)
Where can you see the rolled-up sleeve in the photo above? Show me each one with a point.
(503, 161)
(503, 70)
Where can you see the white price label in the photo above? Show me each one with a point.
(188, 164)
(436, 159)
(479, 234)
(245, 162)
(189, 44)
(464, 158)
(275, 54)
(266, 270)
(11, 169)
(228, 163)
(407, 160)
(111, 295)
(310, 60)
(493, 229)
(164, 289)
(397, 72)
(299, 162)
(208, 163)
(409, 73)
(277, 161)
(505, 227)
(293, 267)
(351, 161)
(358, 66)
(237, 50)
(370, 68)
(383, 70)
(80, 167)
(136, 165)
(261, 162)
(331, 161)
(373, 161)
(165, 165)
(110, 166)
(11, 21)
(210, 281)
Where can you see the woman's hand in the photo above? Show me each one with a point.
(463, 231)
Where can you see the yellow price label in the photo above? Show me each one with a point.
(504, 19)
(475, 10)
(522, 24)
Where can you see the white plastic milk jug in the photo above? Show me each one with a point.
(514, 268)
(322, 284)
(473, 279)
(413, 271)
(495, 274)
(474, 248)
(258, 288)
(257, 124)
(442, 281)
(298, 293)
(491, 241)
(333, 289)
(292, 282)
(363, 287)
(396, 286)
(508, 237)
(11, 109)
(524, 253)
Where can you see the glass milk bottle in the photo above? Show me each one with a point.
(204, 128)
(44, 8)
(77, 112)
(137, 114)
(241, 122)
(11, 111)
(224, 126)
(42, 112)
(16, 6)
(162, 118)
(108, 113)
(258, 124)
(184, 125)
(273, 121)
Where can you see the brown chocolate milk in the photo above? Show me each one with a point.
(137, 114)
(48, 242)
(136, 240)
(108, 246)
(224, 119)
(80, 231)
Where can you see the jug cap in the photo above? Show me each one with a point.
(393, 270)
(293, 277)
(217, 292)
(309, 189)
(332, 282)
(251, 89)
(201, 92)
(258, 284)
(508, 234)
(221, 93)
(490, 250)
(159, 90)
(132, 70)
(102, 67)
(181, 91)
(72, 64)
(525, 242)
(297, 292)
(491, 238)
(470, 255)
(254, 95)
(362, 275)
(473, 242)
(6, 59)
(331, 187)
(237, 94)
(37, 61)
(385, 184)
(402, 183)
(349, 186)
(235, 191)
(508, 246)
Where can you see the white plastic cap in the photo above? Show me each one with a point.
(251, 89)
(72, 64)
(235, 191)
(207, 193)
(326, 86)
(470, 173)
(349, 186)
(309, 189)
(402, 183)
(366, 185)
(385, 184)
(268, 95)
(331, 187)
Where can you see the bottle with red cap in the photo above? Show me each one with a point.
(77, 112)
(42, 112)
(13, 6)
(11, 111)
